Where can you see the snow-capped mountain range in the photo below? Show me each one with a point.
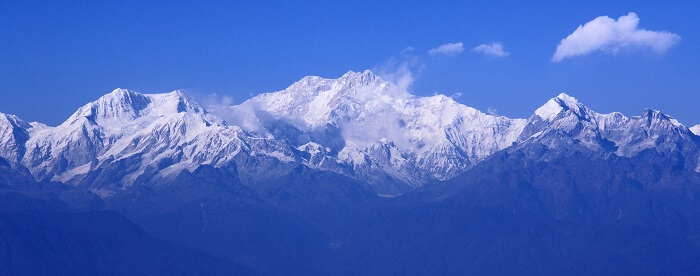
(613, 133)
(358, 125)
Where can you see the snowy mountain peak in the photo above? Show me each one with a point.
(122, 106)
(174, 102)
(119, 125)
(555, 106)
(652, 116)
(695, 129)
(359, 111)
(567, 100)
(352, 80)
(563, 121)
(121, 96)
(358, 125)
(365, 76)
(13, 134)
(120, 92)
(315, 101)
(653, 113)
(349, 79)
(12, 120)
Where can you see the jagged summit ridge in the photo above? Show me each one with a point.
(313, 99)
(126, 105)
(559, 104)
(358, 125)
(434, 134)
(563, 120)
(14, 133)
(124, 125)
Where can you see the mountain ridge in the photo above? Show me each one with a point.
(358, 125)
(373, 181)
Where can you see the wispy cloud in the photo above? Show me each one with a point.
(604, 34)
(449, 49)
(494, 50)
(492, 111)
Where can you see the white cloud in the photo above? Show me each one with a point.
(449, 49)
(215, 99)
(605, 34)
(494, 49)
(492, 111)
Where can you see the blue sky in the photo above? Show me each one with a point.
(56, 56)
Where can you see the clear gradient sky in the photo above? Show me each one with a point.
(58, 55)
